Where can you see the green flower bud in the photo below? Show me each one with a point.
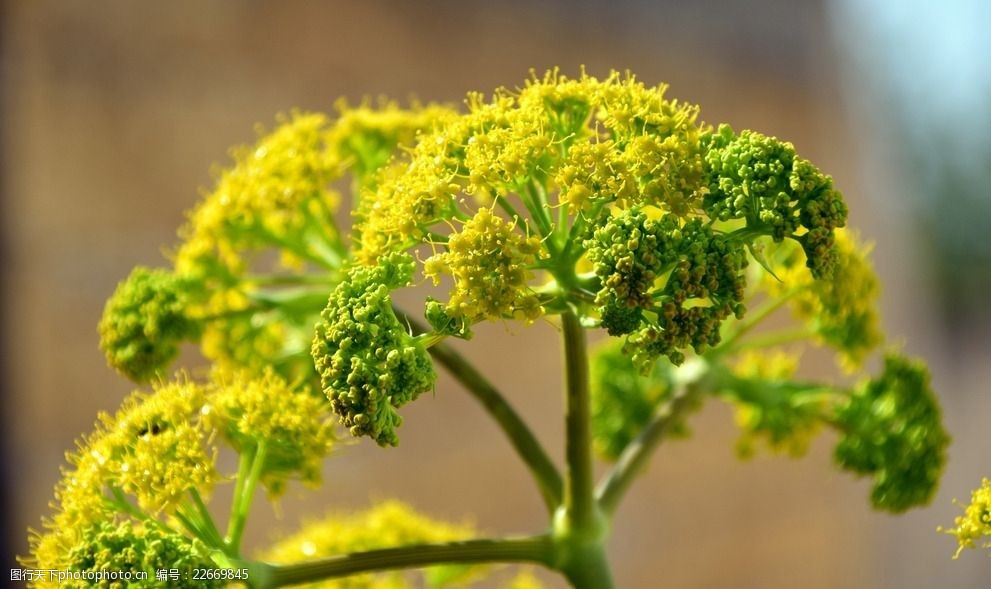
(892, 431)
(144, 321)
(369, 364)
(118, 547)
(761, 180)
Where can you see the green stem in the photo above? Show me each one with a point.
(299, 249)
(242, 503)
(578, 227)
(524, 442)
(579, 500)
(121, 503)
(514, 215)
(191, 524)
(243, 468)
(539, 196)
(752, 320)
(775, 338)
(538, 211)
(588, 568)
(563, 227)
(206, 520)
(537, 549)
(289, 279)
(636, 454)
(326, 244)
(429, 339)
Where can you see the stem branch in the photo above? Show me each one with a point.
(636, 454)
(242, 502)
(524, 442)
(578, 497)
(536, 549)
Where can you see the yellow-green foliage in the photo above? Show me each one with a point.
(126, 548)
(623, 399)
(840, 310)
(892, 431)
(769, 409)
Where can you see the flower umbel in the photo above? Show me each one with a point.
(892, 430)
(368, 362)
(144, 321)
(600, 201)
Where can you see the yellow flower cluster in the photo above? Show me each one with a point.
(276, 192)
(840, 309)
(409, 199)
(594, 171)
(650, 155)
(975, 523)
(364, 138)
(388, 524)
(153, 448)
(525, 580)
(610, 140)
(490, 263)
(242, 337)
(278, 196)
(294, 425)
(775, 366)
(160, 449)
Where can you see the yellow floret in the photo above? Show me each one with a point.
(490, 262)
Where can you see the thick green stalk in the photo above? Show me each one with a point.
(524, 442)
(578, 497)
(587, 567)
(580, 527)
(536, 549)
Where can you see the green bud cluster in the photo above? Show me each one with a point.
(116, 547)
(369, 364)
(892, 431)
(668, 283)
(761, 180)
(144, 321)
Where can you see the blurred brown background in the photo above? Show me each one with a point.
(113, 113)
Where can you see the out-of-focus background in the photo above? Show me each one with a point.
(114, 111)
